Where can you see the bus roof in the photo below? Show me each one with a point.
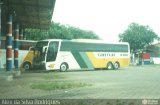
(85, 41)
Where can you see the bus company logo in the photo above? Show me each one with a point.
(144, 102)
(51, 66)
(101, 54)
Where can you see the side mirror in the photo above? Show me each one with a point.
(44, 49)
(31, 48)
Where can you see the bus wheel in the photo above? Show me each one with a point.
(116, 65)
(27, 66)
(64, 67)
(109, 66)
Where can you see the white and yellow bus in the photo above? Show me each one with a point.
(56, 54)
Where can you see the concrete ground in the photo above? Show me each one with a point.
(134, 82)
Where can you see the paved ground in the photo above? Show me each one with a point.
(134, 82)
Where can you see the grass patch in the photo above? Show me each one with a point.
(53, 76)
(57, 85)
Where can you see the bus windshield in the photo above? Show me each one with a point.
(39, 52)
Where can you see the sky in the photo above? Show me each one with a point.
(108, 18)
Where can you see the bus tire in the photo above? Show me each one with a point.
(116, 65)
(64, 66)
(27, 66)
(109, 66)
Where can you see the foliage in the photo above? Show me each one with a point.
(138, 36)
(35, 34)
(59, 31)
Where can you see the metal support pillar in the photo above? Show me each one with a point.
(9, 44)
(16, 45)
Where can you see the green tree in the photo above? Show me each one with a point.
(59, 31)
(36, 34)
(138, 36)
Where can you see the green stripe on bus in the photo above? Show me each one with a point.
(86, 59)
(79, 59)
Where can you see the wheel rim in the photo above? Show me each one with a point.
(63, 67)
(109, 66)
(116, 65)
(26, 66)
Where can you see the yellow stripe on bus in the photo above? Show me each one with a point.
(102, 62)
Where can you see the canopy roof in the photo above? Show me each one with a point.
(29, 13)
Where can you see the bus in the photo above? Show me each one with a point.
(63, 55)
(24, 46)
